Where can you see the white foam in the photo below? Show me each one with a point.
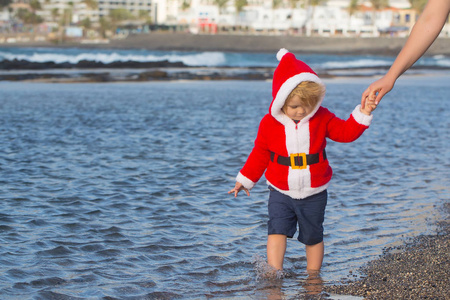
(440, 56)
(443, 61)
(264, 271)
(360, 63)
(191, 59)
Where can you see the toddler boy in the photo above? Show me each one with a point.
(290, 149)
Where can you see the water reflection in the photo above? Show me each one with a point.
(309, 286)
(313, 284)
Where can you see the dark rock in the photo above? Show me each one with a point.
(85, 64)
(153, 75)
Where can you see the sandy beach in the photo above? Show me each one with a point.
(264, 43)
(254, 43)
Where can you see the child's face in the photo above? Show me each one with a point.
(295, 109)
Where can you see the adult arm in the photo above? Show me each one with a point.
(423, 34)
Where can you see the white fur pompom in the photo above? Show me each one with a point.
(281, 53)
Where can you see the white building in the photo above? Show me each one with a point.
(134, 6)
(330, 18)
(258, 16)
(165, 11)
(74, 10)
(80, 10)
(4, 15)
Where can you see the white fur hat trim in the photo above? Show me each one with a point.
(281, 53)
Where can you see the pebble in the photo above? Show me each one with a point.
(418, 270)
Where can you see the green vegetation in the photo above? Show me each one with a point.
(221, 4)
(28, 17)
(4, 3)
(418, 5)
(240, 4)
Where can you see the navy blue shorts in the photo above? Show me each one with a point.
(309, 213)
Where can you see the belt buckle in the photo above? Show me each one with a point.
(303, 156)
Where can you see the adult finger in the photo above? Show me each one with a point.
(380, 95)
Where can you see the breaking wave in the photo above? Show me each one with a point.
(206, 58)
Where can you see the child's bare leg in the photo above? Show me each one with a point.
(276, 248)
(314, 256)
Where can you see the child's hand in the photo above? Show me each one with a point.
(370, 105)
(237, 188)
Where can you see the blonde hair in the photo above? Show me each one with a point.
(309, 92)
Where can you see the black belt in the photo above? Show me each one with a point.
(298, 160)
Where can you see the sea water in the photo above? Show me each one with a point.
(119, 190)
(207, 58)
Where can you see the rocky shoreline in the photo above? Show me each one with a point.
(86, 64)
(103, 75)
(419, 269)
(130, 71)
(89, 72)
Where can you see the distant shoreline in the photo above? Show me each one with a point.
(91, 71)
(111, 75)
(388, 46)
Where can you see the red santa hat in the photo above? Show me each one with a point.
(289, 73)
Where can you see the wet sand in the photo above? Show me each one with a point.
(419, 269)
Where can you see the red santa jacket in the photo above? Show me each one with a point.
(281, 136)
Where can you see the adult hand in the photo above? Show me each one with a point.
(237, 188)
(423, 34)
(377, 90)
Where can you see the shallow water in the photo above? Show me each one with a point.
(119, 190)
